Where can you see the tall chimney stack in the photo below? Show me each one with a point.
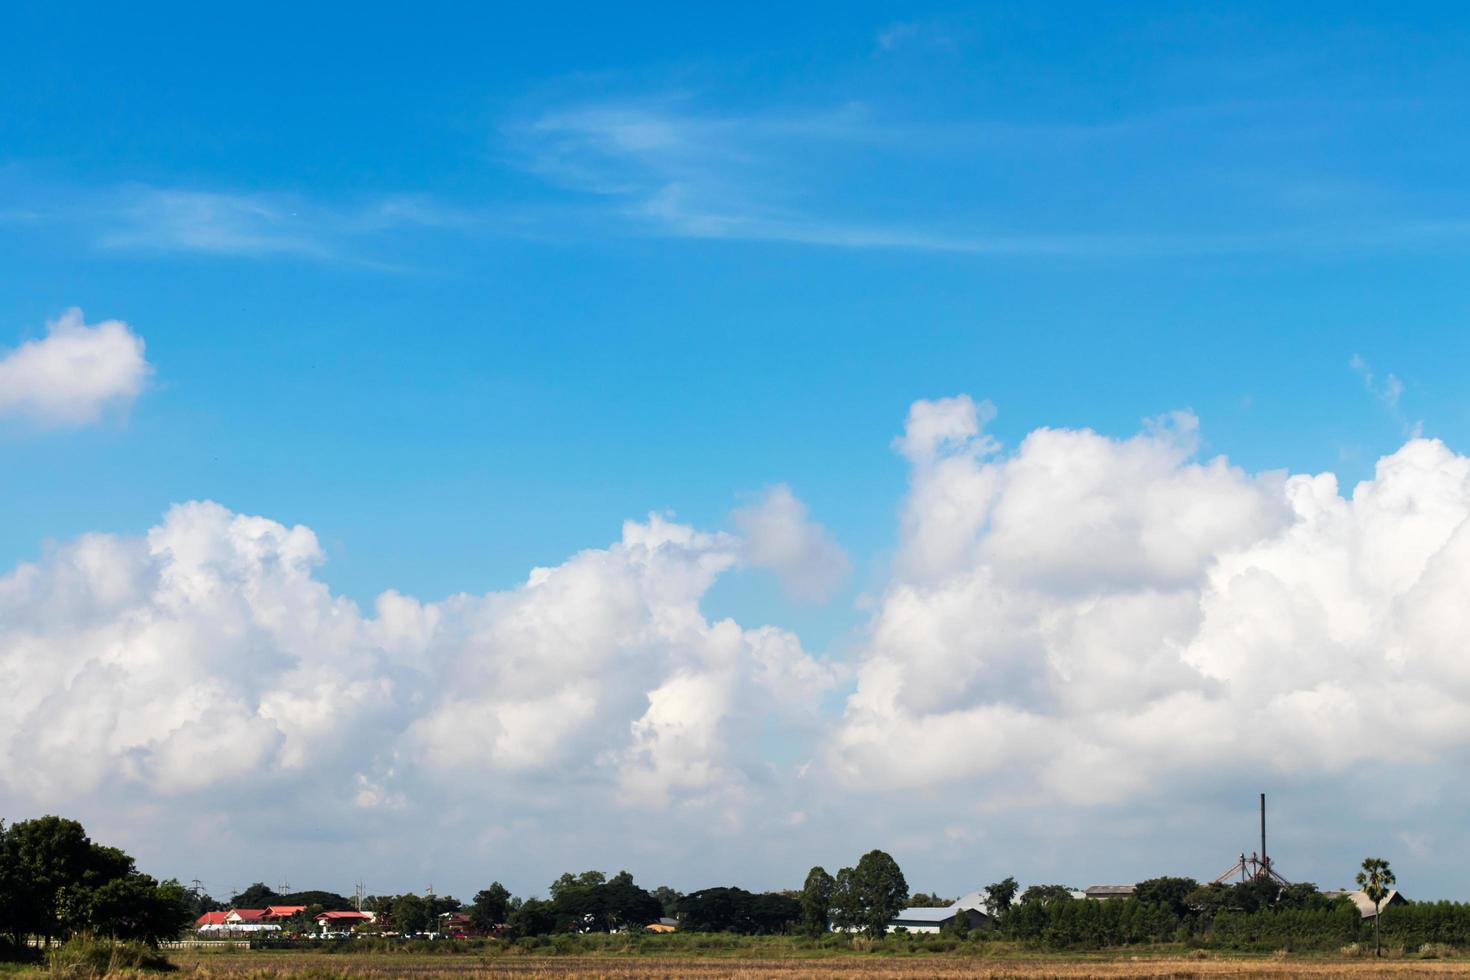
(1264, 863)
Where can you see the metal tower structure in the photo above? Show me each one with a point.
(1258, 866)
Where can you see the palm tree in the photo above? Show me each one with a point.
(1375, 879)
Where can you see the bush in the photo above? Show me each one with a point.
(1435, 951)
(88, 956)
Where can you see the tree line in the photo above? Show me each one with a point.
(56, 882)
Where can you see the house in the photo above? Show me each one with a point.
(457, 925)
(920, 919)
(343, 921)
(1103, 892)
(661, 926)
(279, 912)
(1364, 904)
(235, 920)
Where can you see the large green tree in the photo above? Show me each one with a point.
(1376, 878)
(490, 907)
(1000, 896)
(737, 910)
(1171, 894)
(881, 889)
(816, 902)
(1046, 894)
(410, 914)
(847, 901)
(55, 881)
(592, 902)
(533, 917)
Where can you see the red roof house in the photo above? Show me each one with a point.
(245, 915)
(344, 920)
(283, 911)
(210, 919)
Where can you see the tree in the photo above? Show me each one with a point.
(1255, 894)
(410, 914)
(717, 910)
(1166, 893)
(923, 900)
(55, 863)
(668, 898)
(533, 917)
(881, 891)
(490, 907)
(55, 881)
(1303, 895)
(774, 912)
(1000, 896)
(1046, 895)
(626, 905)
(816, 902)
(329, 901)
(134, 906)
(593, 902)
(960, 926)
(257, 896)
(1375, 880)
(847, 902)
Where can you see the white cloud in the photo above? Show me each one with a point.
(928, 36)
(1080, 621)
(1099, 616)
(74, 373)
(689, 174)
(229, 222)
(667, 164)
(1387, 393)
(779, 535)
(208, 655)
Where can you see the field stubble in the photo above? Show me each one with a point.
(247, 966)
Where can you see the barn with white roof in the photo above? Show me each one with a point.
(920, 919)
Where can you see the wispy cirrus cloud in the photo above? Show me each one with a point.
(661, 165)
(854, 177)
(1387, 392)
(910, 33)
(256, 224)
(226, 221)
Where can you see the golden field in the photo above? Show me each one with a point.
(268, 966)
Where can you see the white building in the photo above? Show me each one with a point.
(938, 919)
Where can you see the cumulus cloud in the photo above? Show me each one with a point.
(74, 373)
(208, 654)
(779, 535)
(1099, 615)
(1075, 622)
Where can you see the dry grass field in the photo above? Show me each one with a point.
(309, 967)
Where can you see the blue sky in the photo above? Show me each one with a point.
(462, 288)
